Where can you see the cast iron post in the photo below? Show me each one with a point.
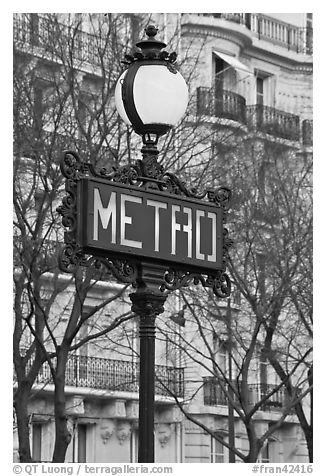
(147, 302)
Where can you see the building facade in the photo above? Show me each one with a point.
(253, 77)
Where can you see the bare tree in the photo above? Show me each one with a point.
(50, 115)
(63, 98)
(65, 71)
(271, 266)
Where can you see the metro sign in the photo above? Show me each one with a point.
(124, 220)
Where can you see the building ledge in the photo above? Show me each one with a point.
(91, 393)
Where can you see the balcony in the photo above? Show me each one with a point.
(239, 18)
(277, 32)
(273, 121)
(115, 375)
(36, 31)
(213, 392)
(214, 395)
(284, 34)
(227, 104)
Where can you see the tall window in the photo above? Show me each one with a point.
(38, 108)
(218, 78)
(82, 433)
(134, 446)
(37, 441)
(264, 454)
(220, 349)
(217, 450)
(83, 116)
(260, 91)
(265, 89)
(263, 364)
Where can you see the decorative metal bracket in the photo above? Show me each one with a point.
(147, 174)
(72, 255)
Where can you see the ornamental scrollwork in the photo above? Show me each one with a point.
(71, 257)
(127, 174)
(71, 165)
(175, 186)
(219, 282)
(123, 270)
(221, 197)
(147, 173)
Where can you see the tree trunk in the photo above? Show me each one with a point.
(20, 405)
(62, 435)
(309, 441)
(254, 447)
(309, 434)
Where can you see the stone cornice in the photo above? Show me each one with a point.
(203, 26)
(250, 45)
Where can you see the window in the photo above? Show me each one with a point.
(220, 349)
(263, 364)
(37, 441)
(38, 108)
(134, 446)
(82, 433)
(260, 91)
(217, 450)
(83, 116)
(264, 454)
(218, 78)
(79, 360)
(44, 102)
(173, 343)
(265, 89)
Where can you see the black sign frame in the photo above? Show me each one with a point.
(124, 266)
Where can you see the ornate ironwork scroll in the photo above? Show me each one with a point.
(147, 174)
(72, 255)
(220, 282)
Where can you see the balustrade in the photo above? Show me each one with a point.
(291, 37)
(273, 121)
(215, 394)
(116, 375)
(35, 30)
(227, 104)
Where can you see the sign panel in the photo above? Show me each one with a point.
(119, 219)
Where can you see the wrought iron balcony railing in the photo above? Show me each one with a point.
(273, 121)
(214, 394)
(230, 105)
(227, 104)
(116, 375)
